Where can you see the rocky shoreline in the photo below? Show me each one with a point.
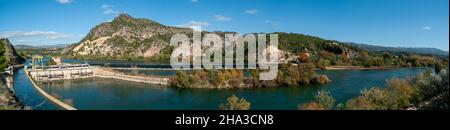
(8, 100)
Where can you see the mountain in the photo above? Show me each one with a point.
(8, 54)
(23, 47)
(414, 50)
(126, 36)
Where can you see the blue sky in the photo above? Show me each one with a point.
(404, 23)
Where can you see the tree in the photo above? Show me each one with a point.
(371, 99)
(181, 80)
(235, 103)
(400, 93)
(320, 79)
(235, 82)
(220, 78)
(50, 62)
(3, 63)
(322, 101)
(323, 63)
(396, 95)
(433, 91)
(304, 57)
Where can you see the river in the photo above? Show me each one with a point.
(112, 94)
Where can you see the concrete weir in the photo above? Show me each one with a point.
(85, 71)
(109, 73)
(52, 99)
(77, 71)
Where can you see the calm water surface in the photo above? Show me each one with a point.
(98, 93)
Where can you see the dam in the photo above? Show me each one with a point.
(37, 72)
(79, 71)
(65, 71)
(60, 72)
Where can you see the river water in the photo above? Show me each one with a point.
(98, 93)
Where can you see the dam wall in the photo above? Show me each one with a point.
(86, 71)
(109, 73)
(50, 98)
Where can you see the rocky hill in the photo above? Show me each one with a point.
(8, 54)
(126, 36)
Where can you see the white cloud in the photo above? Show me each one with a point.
(193, 23)
(252, 11)
(194, 1)
(64, 1)
(426, 28)
(273, 23)
(109, 9)
(221, 17)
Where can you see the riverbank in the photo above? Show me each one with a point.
(8, 99)
(357, 68)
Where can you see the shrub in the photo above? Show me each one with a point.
(400, 92)
(50, 62)
(320, 79)
(433, 91)
(234, 103)
(322, 101)
(235, 82)
(372, 99)
(323, 63)
(181, 80)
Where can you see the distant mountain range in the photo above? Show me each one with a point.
(42, 46)
(414, 50)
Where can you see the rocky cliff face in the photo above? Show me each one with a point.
(8, 53)
(126, 36)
